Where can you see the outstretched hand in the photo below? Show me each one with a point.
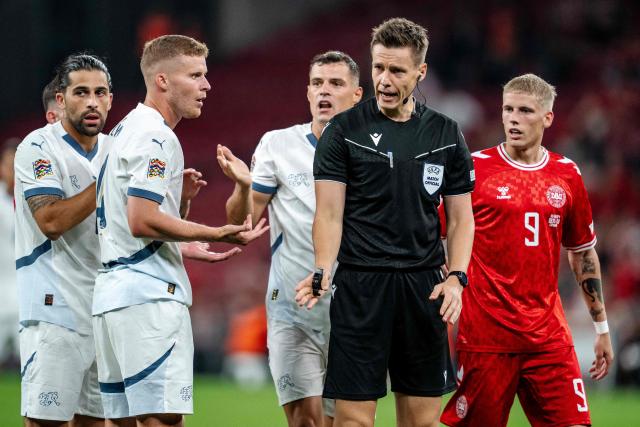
(242, 234)
(232, 166)
(451, 291)
(199, 251)
(304, 291)
(191, 184)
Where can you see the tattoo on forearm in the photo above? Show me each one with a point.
(37, 202)
(593, 289)
(588, 265)
(595, 312)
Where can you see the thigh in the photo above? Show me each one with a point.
(155, 357)
(361, 313)
(297, 360)
(54, 364)
(551, 389)
(487, 385)
(420, 362)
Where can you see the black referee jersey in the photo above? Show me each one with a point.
(395, 173)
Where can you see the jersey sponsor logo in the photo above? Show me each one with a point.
(503, 190)
(298, 179)
(158, 142)
(49, 398)
(38, 145)
(556, 196)
(156, 169)
(42, 168)
(375, 137)
(432, 177)
(554, 220)
(461, 407)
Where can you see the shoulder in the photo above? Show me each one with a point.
(38, 141)
(430, 117)
(564, 166)
(486, 155)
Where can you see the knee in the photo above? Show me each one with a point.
(32, 422)
(306, 420)
(157, 420)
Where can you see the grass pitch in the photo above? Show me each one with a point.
(222, 404)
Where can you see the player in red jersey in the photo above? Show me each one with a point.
(513, 336)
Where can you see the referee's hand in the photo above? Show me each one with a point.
(451, 290)
(304, 291)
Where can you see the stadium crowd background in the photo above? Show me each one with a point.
(260, 51)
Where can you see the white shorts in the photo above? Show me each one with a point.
(59, 374)
(298, 362)
(145, 359)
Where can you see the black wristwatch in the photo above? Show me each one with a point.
(316, 281)
(462, 277)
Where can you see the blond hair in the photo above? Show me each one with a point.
(531, 84)
(400, 32)
(168, 47)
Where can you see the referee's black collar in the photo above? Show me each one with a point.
(417, 112)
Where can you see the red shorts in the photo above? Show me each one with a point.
(548, 384)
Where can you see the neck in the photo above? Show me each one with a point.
(86, 142)
(402, 113)
(525, 155)
(162, 106)
(316, 129)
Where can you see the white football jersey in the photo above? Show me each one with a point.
(283, 167)
(145, 161)
(55, 278)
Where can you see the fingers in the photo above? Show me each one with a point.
(437, 290)
(217, 257)
(304, 291)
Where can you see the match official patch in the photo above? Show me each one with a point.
(42, 168)
(156, 169)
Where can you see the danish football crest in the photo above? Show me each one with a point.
(556, 196)
(461, 407)
(432, 177)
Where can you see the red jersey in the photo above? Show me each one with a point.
(523, 213)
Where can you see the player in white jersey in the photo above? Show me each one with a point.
(282, 179)
(146, 371)
(57, 249)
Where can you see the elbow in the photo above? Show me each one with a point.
(139, 229)
(51, 229)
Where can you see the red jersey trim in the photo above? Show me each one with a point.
(585, 246)
(524, 167)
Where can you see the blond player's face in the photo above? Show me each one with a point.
(188, 85)
(331, 90)
(524, 119)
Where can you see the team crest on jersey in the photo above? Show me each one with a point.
(556, 196)
(156, 169)
(461, 407)
(432, 177)
(42, 168)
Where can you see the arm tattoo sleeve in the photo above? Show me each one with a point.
(37, 202)
(588, 265)
(593, 289)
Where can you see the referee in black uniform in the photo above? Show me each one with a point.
(380, 169)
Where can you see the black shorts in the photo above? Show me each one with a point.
(384, 320)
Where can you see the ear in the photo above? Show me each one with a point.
(60, 100)
(422, 69)
(50, 116)
(357, 95)
(162, 81)
(110, 101)
(548, 119)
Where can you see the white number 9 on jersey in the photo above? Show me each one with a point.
(532, 223)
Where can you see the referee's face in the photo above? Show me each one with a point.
(395, 74)
(332, 89)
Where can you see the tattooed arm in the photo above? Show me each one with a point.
(586, 269)
(55, 215)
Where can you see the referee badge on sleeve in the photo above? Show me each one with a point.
(432, 177)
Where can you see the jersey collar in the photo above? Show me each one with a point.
(77, 147)
(522, 166)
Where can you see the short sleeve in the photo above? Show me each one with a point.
(37, 168)
(263, 168)
(332, 155)
(578, 232)
(459, 175)
(150, 165)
